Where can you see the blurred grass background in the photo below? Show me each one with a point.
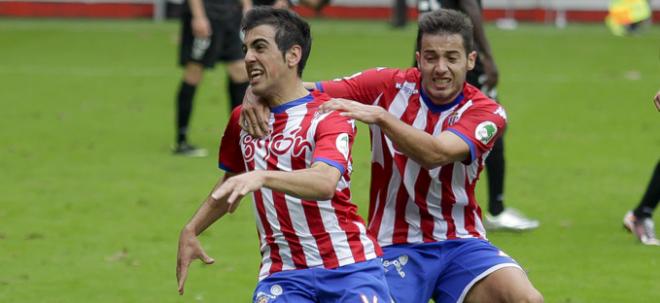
(92, 199)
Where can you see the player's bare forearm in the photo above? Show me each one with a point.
(471, 8)
(197, 8)
(318, 182)
(424, 148)
(247, 5)
(211, 210)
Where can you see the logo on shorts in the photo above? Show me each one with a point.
(263, 297)
(398, 264)
(485, 131)
(276, 290)
(200, 45)
(364, 299)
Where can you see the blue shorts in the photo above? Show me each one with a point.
(444, 271)
(359, 282)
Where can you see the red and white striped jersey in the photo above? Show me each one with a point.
(408, 203)
(295, 233)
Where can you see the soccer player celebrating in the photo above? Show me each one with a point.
(314, 246)
(431, 132)
(485, 76)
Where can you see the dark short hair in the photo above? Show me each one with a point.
(446, 22)
(290, 30)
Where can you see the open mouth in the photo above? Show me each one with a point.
(442, 83)
(255, 75)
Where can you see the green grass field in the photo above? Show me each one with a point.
(92, 200)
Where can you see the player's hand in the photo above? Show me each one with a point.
(189, 250)
(246, 8)
(282, 4)
(366, 113)
(254, 115)
(201, 27)
(656, 100)
(236, 187)
(490, 70)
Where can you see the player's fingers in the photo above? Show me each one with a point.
(221, 192)
(263, 119)
(242, 121)
(232, 196)
(205, 258)
(183, 274)
(253, 123)
(657, 103)
(232, 207)
(350, 115)
(332, 105)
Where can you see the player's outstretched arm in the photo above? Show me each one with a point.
(189, 246)
(656, 100)
(318, 182)
(425, 149)
(201, 27)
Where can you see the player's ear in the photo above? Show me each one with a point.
(293, 56)
(471, 60)
(417, 57)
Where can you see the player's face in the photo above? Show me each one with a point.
(264, 62)
(443, 64)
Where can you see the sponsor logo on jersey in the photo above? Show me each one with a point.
(485, 131)
(276, 145)
(398, 265)
(407, 87)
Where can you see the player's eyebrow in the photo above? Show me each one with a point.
(259, 40)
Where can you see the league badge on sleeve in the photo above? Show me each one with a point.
(485, 131)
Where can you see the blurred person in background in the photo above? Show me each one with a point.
(639, 221)
(210, 32)
(485, 76)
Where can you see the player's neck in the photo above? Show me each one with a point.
(445, 101)
(287, 93)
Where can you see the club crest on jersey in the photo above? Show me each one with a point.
(398, 265)
(342, 144)
(263, 297)
(485, 131)
(453, 118)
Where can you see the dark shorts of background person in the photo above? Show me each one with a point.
(225, 42)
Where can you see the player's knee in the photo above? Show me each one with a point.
(237, 72)
(193, 73)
